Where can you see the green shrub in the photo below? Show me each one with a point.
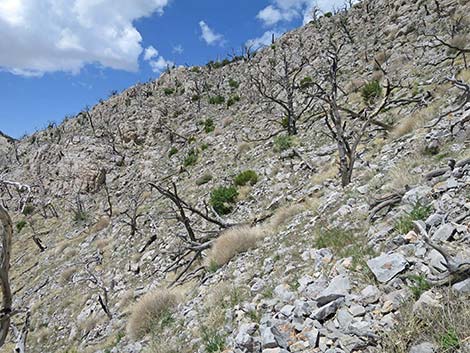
(223, 198)
(208, 125)
(449, 340)
(172, 152)
(419, 286)
(168, 91)
(20, 225)
(282, 143)
(191, 158)
(232, 100)
(344, 243)
(213, 341)
(233, 84)
(248, 176)
(371, 91)
(28, 209)
(328, 14)
(195, 98)
(218, 99)
(195, 69)
(80, 216)
(204, 179)
(204, 146)
(285, 122)
(306, 82)
(419, 212)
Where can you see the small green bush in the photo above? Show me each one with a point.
(419, 212)
(328, 14)
(28, 209)
(223, 198)
(306, 82)
(191, 158)
(204, 179)
(371, 91)
(449, 340)
(232, 100)
(419, 286)
(213, 341)
(344, 243)
(248, 176)
(168, 91)
(208, 125)
(233, 84)
(195, 69)
(282, 143)
(80, 216)
(172, 152)
(195, 98)
(204, 146)
(285, 122)
(20, 225)
(218, 99)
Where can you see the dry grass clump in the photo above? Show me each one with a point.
(243, 148)
(222, 296)
(149, 310)
(415, 121)
(329, 172)
(401, 174)
(67, 275)
(284, 214)
(102, 223)
(101, 244)
(447, 327)
(232, 242)
(464, 75)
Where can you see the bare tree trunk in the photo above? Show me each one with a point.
(21, 337)
(6, 232)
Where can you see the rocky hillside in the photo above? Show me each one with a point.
(180, 215)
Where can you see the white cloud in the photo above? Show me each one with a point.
(288, 10)
(178, 49)
(264, 40)
(150, 53)
(156, 62)
(208, 34)
(160, 64)
(40, 36)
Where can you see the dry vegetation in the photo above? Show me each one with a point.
(233, 242)
(447, 327)
(149, 310)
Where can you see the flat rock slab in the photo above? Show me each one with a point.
(387, 266)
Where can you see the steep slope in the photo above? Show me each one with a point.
(306, 272)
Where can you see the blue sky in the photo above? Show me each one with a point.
(58, 56)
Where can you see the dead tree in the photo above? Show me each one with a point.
(22, 335)
(280, 80)
(346, 124)
(87, 114)
(103, 299)
(133, 212)
(185, 257)
(6, 232)
(23, 190)
(462, 101)
(455, 42)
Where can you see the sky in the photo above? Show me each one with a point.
(58, 56)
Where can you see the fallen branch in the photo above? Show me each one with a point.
(303, 159)
(456, 272)
(386, 201)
